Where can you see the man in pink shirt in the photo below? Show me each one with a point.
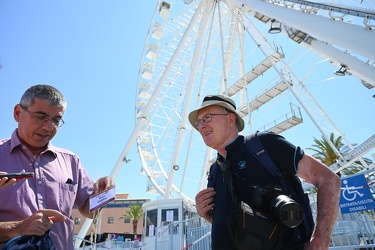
(35, 205)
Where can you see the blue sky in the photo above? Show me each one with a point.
(91, 51)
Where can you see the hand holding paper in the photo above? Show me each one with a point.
(99, 200)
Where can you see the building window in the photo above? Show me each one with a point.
(127, 220)
(173, 213)
(77, 221)
(168, 216)
(111, 220)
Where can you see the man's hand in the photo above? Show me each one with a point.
(204, 203)
(103, 185)
(40, 222)
(5, 181)
(37, 224)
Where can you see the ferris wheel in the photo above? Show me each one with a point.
(261, 54)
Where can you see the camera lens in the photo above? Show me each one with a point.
(286, 210)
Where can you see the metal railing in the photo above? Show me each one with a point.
(111, 244)
(192, 234)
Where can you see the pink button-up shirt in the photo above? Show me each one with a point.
(47, 190)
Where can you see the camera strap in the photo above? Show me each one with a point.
(228, 177)
(227, 174)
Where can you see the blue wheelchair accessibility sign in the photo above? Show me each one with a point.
(355, 195)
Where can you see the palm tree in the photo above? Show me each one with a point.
(323, 150)
(325, 153)
(134, 212)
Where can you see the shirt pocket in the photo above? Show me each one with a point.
(67, 197)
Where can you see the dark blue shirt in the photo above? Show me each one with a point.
(241, 162)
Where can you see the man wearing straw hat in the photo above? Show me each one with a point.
(219, 124)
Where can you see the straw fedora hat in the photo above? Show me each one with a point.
(218, 100)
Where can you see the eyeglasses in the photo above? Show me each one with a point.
(207, 118)
(42, 119)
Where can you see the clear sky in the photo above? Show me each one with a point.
(91, 51)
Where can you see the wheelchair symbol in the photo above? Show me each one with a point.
(350, 193)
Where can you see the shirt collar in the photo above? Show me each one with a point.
(232, 144)
(16, 142)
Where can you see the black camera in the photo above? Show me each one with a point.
(282, 207)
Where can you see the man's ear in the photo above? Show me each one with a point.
(16, 112)
(232, 118)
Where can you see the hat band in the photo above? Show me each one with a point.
(216, 98)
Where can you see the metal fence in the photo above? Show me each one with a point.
(111, 244)
(192, 234)
(354, 231)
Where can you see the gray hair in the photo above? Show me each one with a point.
(45, 93)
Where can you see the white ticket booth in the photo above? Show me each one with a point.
(163, 226)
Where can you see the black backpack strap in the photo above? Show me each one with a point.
(256, 148)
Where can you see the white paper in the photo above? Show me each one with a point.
(101, 199)
(151, 230)
(170, 215)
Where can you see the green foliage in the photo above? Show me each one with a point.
(323, 150)
(135, 213)
(326, 154)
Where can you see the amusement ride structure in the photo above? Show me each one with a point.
(225, 47)
(265, 54)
